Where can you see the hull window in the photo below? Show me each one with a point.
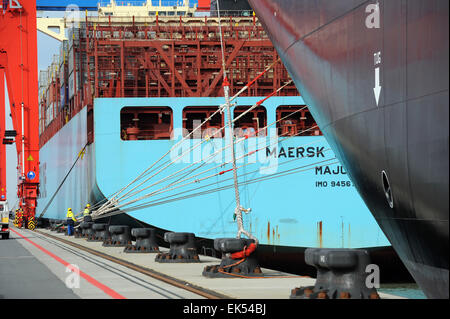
(193, 116)
(387, 189)
(146, 123)
(252, 123)
(295, 120)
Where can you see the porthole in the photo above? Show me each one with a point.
(387, 189)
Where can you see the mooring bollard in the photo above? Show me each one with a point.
(341, 274)
(77, 232)
(120, 236)
(145, 241)
(182, 249)
(238, 259)
(63, 228)
(86, 229)
(100, 233)
(53, 226)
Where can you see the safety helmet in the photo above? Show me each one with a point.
(69, 209)
(88, 205)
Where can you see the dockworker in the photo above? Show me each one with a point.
(70, 221)
(87, 214)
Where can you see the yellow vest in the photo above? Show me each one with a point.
(70, 215)
(86, 212)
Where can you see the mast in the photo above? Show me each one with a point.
(226, 88)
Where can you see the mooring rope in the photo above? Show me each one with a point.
(256, 180)
(108, 201)
(115, 199)
(213, 155)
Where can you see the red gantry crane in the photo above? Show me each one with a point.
(18, 65)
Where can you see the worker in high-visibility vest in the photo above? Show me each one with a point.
(87, 214)
(70, 221)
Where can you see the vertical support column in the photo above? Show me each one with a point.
(199, 66)
(88, 59)
(75, 104)
(96, 67)
(122, 68)
(2, 134)
(146, 83)
(275, 71)
(172, 60)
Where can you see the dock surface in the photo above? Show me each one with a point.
(43, 264)
(34, 266)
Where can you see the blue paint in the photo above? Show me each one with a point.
(31, 175)
(92, 5)
(285, 210)
(51, 5)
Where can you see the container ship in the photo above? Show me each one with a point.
(374, 75)
(127, 92)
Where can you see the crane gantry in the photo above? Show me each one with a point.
(18, 66)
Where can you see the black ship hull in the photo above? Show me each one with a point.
(376, 81)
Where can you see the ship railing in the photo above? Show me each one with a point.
(152, 134)
(202, 19)
(141, 3)
(231, 13)
(152, 35)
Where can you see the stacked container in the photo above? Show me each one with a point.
(63, 74)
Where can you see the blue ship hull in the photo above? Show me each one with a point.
(317, 206)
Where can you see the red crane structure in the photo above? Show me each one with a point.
(18, 65)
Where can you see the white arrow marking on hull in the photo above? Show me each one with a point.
(377, 88)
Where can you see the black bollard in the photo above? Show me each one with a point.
(86, 229)
(77, 232)
(238, 259)
(145, 241)
(53, 226)
(100, 233)
(341, 274)
(63, 228)
(120, 236)
(182, 249)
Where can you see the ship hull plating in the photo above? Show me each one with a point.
(386, 69)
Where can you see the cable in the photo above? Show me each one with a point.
(260, 179)
(115, 199)
(221, 165)
(275, 175)
(211, 156)
(183, 139)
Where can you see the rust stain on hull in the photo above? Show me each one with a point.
(319, 234)
(277, 235)
(349, 237)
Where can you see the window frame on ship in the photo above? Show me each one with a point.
(288, 126)
(210, 129)
(252, 123)
(146, 123)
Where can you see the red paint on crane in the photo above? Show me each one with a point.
(18, 60)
